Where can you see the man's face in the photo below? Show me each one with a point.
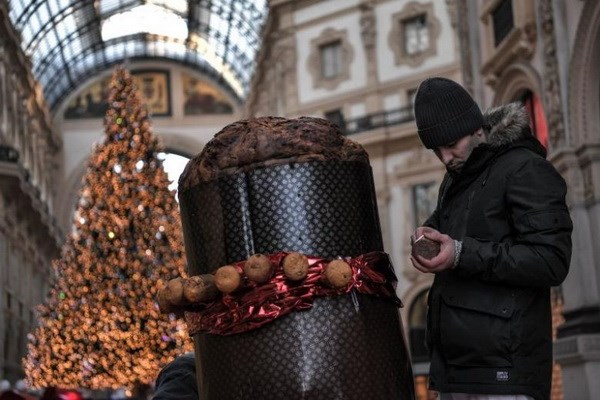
(455, 154)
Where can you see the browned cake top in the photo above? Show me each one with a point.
(252, 143)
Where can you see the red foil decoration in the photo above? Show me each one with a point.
(254, 305)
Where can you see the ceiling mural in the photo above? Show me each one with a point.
(203, 98)
(200, 97)
(154, 86)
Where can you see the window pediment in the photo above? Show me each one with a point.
(414, 34)
(330, 58)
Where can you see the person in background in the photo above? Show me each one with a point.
(19, 392)
(177, 380)
(9, 394)
(54, 393)
(504, 234)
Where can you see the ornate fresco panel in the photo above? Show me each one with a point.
(202, 98)
(154, 85)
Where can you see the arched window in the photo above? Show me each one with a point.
(537, 117)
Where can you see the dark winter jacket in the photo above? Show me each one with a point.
(177, 380)
(489, 319)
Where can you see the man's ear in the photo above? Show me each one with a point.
(481, 134)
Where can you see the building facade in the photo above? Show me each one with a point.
(29, 235)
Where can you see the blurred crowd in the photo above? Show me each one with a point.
(20, 391)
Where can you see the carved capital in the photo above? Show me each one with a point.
(453, 11)
(551, 79)
(368, 27)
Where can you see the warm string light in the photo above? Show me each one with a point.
(100, 327)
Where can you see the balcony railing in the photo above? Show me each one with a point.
(378, 120)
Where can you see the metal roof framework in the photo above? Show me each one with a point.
(70, 41)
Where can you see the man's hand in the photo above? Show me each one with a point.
(445, 258)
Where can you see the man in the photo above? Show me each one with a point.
(505, 238)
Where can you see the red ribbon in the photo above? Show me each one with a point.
(254, 305)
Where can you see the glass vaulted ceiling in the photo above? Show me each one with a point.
(71, 40)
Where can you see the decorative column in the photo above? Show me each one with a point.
(368, 33)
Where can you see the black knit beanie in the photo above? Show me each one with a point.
(445, 112)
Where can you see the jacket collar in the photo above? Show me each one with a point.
(508, 126)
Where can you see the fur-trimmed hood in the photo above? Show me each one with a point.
(506, 124)
(506, 128)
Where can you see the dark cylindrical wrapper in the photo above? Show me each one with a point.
(347, 347)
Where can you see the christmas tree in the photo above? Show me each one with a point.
(100, 327)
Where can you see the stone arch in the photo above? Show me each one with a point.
(412, 293)
(180, 144)
(517, 78)
(584, 83)
(520, 82)
(410, 297)
(173, 143)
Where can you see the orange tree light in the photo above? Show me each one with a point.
(100, 327)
